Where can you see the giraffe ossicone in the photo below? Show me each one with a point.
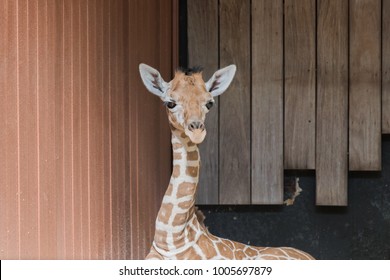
(180, 232)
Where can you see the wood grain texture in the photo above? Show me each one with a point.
(364, 87)
(332, 103)
(203, 50)
(386, 67)
(234, 142)
(299, 122)
(267, 102)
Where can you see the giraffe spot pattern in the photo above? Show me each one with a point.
(186, 189)
(192, 171)
(179, 219)
(169, 190)
(177, 146)
(165, 212)
(177, 156)
(193, 155)
(160, 237)
(224, 250)
(207, 246)
(176, 171)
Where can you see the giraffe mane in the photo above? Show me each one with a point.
(189, 71)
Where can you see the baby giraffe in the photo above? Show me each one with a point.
(180, 232)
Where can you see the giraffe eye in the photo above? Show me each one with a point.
(209, 104)
(170, 104)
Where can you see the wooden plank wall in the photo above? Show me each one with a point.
(310, 98)
(77, 166)
(385, 67)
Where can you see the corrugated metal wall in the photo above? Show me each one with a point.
(84, 150)
(306, 96)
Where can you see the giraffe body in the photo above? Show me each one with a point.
(180, 232)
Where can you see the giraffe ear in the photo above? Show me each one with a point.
(221, 80)
(153, 80)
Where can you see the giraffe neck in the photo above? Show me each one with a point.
(176, 224)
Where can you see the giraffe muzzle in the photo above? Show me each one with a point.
(196, 131)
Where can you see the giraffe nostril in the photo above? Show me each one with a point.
(196, 125)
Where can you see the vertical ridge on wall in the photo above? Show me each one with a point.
(9, 126)
(84, 132)
(364, 85)
(133, 116)
(106, 126)
(28, 126)
(203, 50)
(3, 127)
(113, 39)
(76, 127)
(67, 128)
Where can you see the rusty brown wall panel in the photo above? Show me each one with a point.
(27, 16)
(386, 67)
(76, 121)
(81, 176)
(365, 85)
(84, 132)
(3, 126)
(106, 123)
(133, 140)
(10, 231)
(68, 131)
(203, 50)
(299, 95)
(113, 39)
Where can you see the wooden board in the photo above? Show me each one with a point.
(385, 67)
(203, 50)
(267, 102)
(234, 144)
(364, 88)
(299, 121)
(332, 103)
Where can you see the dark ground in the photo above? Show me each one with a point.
(359, 231)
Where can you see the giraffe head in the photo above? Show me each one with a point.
(187, 97)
